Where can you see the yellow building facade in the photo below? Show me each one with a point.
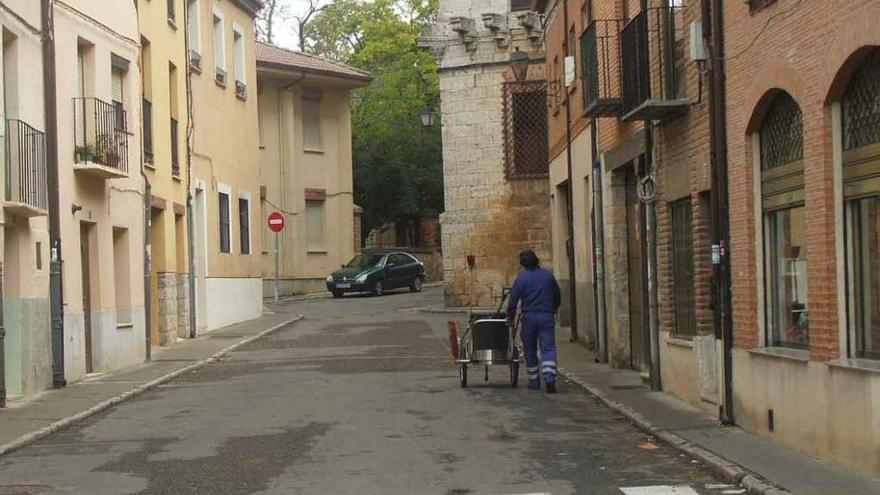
(225, 181)
(305, 166)
(164, 65)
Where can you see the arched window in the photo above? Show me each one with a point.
(860, 113)
(782, 201)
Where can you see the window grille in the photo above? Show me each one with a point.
(782, 135)
(525, 130)
(244, 223)
(861, 105)
(683, 269)
(224, 223)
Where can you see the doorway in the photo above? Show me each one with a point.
(87, 243)
(637, 275)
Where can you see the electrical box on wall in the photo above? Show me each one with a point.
(698, 51)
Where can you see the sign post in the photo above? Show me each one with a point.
(276, 225)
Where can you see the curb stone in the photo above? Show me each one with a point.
(33, 436)
(326, 295)
(731, 472)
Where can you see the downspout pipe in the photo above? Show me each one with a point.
(713, 38)
(56, 293)
(148, 235)
(569, 246)
(190, 224)
(599, 248)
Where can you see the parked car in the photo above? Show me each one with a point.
(377, 273)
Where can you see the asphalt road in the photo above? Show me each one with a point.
(358, 398)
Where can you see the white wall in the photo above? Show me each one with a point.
(233, 300)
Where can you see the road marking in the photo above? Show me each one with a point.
(659, 490)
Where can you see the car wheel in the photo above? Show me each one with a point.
(416, 285)
(378, 288)
(337, 294)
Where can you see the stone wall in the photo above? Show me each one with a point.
(173, 298)
(485, 215)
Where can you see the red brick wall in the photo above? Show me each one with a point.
(800, 47)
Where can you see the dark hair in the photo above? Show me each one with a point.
(528, 259)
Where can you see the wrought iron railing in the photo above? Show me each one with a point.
(148, 130)
(175, 155)
(195, 61)
(220, 76)
(524, 121)
(600, 59)
(100, 133)
(25, 165)
(653, 58)
(240, 89)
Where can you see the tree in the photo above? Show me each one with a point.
(272, 13)
(398, 167)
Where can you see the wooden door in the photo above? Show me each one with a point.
(638, 278)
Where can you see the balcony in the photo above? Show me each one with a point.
(220, 77)
(26, 192)
(241, 90)
(101, 137)
(600, 52)
(652, 49)
(195, 61)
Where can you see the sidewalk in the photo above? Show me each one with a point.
(747, 458)
(27, 420)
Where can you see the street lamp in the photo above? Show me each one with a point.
(428, 117)
(519, 63)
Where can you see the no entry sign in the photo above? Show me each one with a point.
(276, 221)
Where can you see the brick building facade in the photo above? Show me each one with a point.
(803, 130)
(489, 213)
(803, 127)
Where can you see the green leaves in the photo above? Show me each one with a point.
(397, 165)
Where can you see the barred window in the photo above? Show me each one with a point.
(861, 105)
(782, 135)
(683, 269)
(525, 130)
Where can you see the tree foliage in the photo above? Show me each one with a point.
(398, 167)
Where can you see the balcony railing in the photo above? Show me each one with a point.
(653, 61)
(195, 61)
(148, 130)
(25, 168)
(240, 89)
(600, 52)
(175, 155)
(101, 134)
(220, 76)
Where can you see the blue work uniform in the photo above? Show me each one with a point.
(536, 289)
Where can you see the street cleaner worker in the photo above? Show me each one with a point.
(538, 293)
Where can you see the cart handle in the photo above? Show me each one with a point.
(505, 291)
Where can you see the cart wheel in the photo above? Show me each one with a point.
(514, 369)
(462, 374)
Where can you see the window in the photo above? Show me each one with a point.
(519, 5)
(315, 225)
(524, 114)
(244, 223)
(860, 114)
(147, 110)
(172, 11)
(193, 26)
(224, 214)
(238, 54)
(311, 114)
(586, 13)
(782, 197)
(118, 71)
(683, 269)
(756, 5)
(174, 135)
(219, 50)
